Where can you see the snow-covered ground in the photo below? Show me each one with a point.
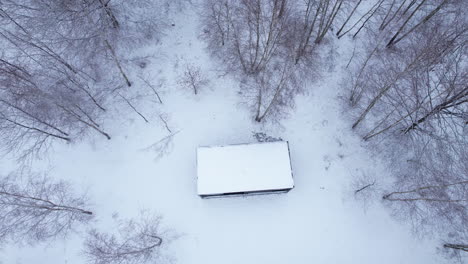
(318, 221)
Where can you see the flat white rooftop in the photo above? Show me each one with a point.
(244, 168)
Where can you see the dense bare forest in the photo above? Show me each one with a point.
(406, 87)
(64, 69)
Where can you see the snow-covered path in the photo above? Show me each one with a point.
(318, 221)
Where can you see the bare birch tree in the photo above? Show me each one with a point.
(57, 75)
(271, 93)
(269, 47)
(34, 208)
(423, 55)
(431, 191)
(409, 91)
(135, 241)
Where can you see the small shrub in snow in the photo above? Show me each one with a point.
(193, 79)
(365, 189)
(262, 137)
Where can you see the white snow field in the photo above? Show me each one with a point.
(316, 222)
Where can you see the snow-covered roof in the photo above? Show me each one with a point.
(244, 168)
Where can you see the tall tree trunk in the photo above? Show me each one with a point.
(307, 31)
(323, 29)
(349, 17)
(409, 6)
(118, 63)
(360, 19)
(34, 129)
(37, 119)
(386, 22)
(390, 43)
(134, 109)
(278, 91)
(463, 247)
(372, 133)
(354, 97)
(367, 19)
(259, 105)
(418, 197)
(394, 41)
(385, 90)
(455, 100)
(110, 14)
(28, 201)
(88, 93)
(152, 88)
(80, 119)
(387, 14)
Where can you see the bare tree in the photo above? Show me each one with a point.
(409, 93)
(163, 146)
(269, 46)
(457, 246)
(432, 190)
(193, 79)
(456, 251)
(418, 57)
(390, 14)
(133, 108)
(256, 29)
(421, 194)
(34, 208)
(135, 241)
(364, 188)
(362, 21)
(153, 87)
(311, 26)
(374, 10)
(41, 105)
(328, 10)
(395, 39)
(396, 20)
(218, 21)
(349, 17)
(57, 75)
(271, 93)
